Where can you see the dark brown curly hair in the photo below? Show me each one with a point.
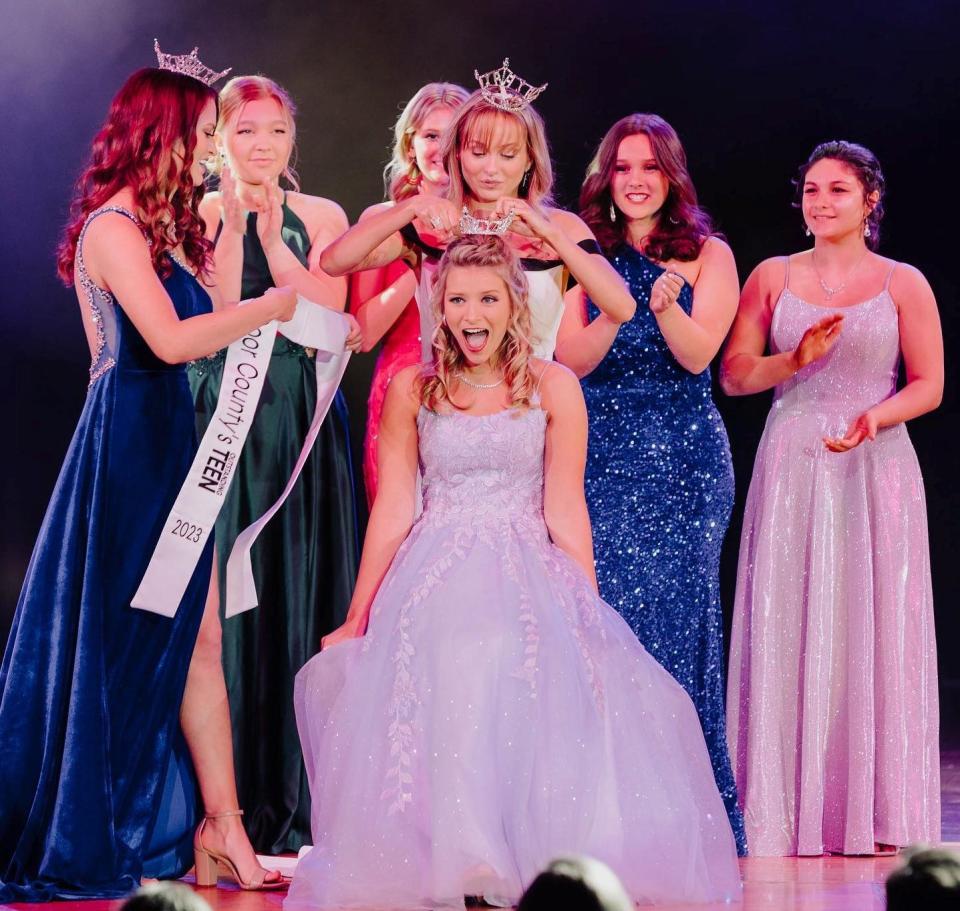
(865, 167)
(152, 117)
(682, 225)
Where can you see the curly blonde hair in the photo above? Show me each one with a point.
(513, 355)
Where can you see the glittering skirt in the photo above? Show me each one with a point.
(498, 714)
(832, 699)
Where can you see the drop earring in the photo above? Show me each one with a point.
(613, 213)
(525, 182)
(866, 230)
(806, 230)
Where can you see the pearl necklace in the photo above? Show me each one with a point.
(827, 290)
(463, 379)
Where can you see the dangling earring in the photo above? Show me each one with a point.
(866, 230)
(525, 182)
(806, 230)
(613, 213)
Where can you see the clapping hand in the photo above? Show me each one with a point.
(231, 211)
(862, 428)
(665, 291)
(818, 340)
(270, 216)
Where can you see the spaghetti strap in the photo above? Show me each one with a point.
(886, 284)
(786, 273)
(535, 398)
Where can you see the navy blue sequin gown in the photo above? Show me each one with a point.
(90, 688)
(659, 485)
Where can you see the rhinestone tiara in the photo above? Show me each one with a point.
(504, 89)
(187, 65)
(469, 224)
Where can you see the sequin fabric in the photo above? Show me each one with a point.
(659, 485)
(833, 714)
(497, 713)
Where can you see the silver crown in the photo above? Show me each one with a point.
(469, 224)
(187, 65)
(504, 89)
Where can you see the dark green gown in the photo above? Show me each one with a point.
(304, 562)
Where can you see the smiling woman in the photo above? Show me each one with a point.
(305, 561)
(832, 701)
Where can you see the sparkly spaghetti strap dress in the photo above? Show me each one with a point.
(497, 713)
(90, 688)
(659, 485)
(304, 562)
(832, 702)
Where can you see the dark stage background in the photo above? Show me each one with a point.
(750, 87)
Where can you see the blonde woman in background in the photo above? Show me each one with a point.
(383, 299)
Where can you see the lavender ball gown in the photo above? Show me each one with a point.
(498, 713)
(832, 699)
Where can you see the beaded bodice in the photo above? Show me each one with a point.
(479, 468)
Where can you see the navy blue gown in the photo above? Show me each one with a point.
(90, 688)
(659, 485)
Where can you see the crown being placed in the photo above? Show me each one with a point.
(504, 89)
(469, 224)
(187, 65)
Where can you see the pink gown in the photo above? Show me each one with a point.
(498, 713)
(401, 348)
(832, 690)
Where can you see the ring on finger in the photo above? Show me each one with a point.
(436, 222)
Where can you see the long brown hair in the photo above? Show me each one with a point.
(515, 350)
(402, 176)
(682, 226)
(476, 121)
(152, 118)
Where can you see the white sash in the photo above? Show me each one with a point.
(205, 489)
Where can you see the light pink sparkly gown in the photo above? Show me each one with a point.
(498, 713)
(832, 691)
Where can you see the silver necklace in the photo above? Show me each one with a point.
(463, 379)
(827, 290)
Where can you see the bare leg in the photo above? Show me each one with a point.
(205, 719)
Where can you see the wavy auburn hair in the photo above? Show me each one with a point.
(478, 121)
(514, 353)
(152, 122)
(865, 167)
(402, 176)
(243, 89)
(682, 226)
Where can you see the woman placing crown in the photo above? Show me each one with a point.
(501, 177)
(90, 688)
(305, 562)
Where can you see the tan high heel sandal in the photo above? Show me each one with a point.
(209, 864)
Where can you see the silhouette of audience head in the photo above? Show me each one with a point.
(165, 896)
(576, 884)
(929, 879)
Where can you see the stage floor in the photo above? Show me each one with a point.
(769, 883)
